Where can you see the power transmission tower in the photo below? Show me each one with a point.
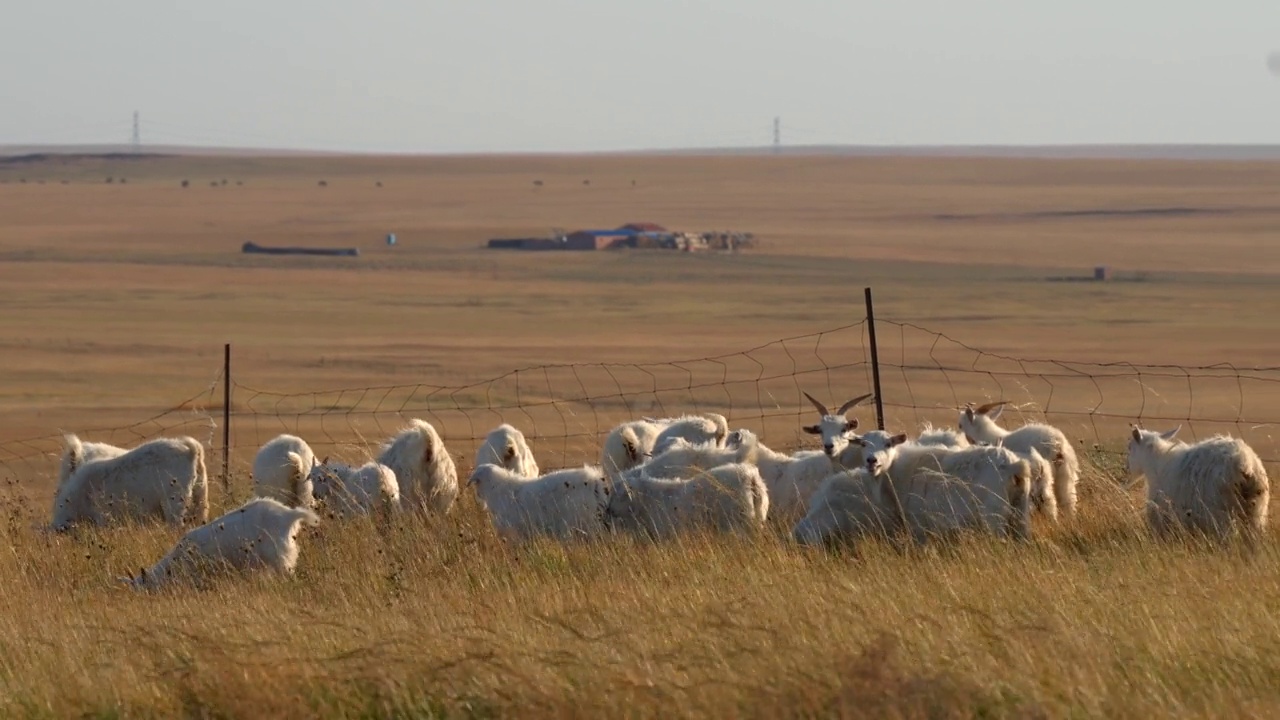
(137, 133)
(777, 135)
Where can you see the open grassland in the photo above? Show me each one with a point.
(115, 300)
(440, 620)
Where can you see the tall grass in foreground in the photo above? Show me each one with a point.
(440, 620)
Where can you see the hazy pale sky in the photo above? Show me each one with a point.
(547, 75)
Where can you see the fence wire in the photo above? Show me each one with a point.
(927, 376)
(565, 410)
(28, 464)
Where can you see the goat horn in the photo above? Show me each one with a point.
(821, 408)
(987, 407)
(845, 407)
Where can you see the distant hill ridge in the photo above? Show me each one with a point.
(41, 153)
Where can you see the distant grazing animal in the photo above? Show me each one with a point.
(979, 425)
(353, 491)
(259, 535)
(631, 443)
(424, 469)
(162, 479)
(506, 446)
(1217, 486)
(77, 452)
(727, 498)
(565, 504)
(281, 468)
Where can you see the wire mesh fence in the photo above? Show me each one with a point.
(27, 457)
(565, 410)
(927, 376)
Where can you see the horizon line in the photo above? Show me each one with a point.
(1027, 150)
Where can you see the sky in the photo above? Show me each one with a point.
(464, 76)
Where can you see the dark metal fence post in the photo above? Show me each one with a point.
(226, 418)
(875, 361)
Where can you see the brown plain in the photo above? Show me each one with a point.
(117, 299)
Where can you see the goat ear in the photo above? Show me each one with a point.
(325, 461)
(968, 412)
(812, 429)
(897, 439)
(1170, 434)
(511, 452)
(1137, 434)
(851, 424)
(994, 413)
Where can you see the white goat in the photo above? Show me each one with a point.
(423, 467)
(89, 452)
(1215, 486)
(835, 429)
(161, 478)
(683, 457)
(708, 429)
(936, 490)
(627, 445)
(728, 498)
(792, 479)
(630, 443)
(280, 470)
(565, 504)
(259, 535)
(506, 446)
(944, 437)
(847, 506)
(1043, 499)
(979, 425)
(370, 488)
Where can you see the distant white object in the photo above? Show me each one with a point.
(423, 467)
(391, 238)
(262, 534)
(1273, 63)
(280, 471)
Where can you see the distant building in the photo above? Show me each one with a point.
(644, 227)
(600, 239)
(632, 235)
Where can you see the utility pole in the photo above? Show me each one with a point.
(137, 133)
(777, 135)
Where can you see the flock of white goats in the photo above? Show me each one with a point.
(660, 478)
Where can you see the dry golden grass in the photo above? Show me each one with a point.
(118, 298)
(441, 620)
